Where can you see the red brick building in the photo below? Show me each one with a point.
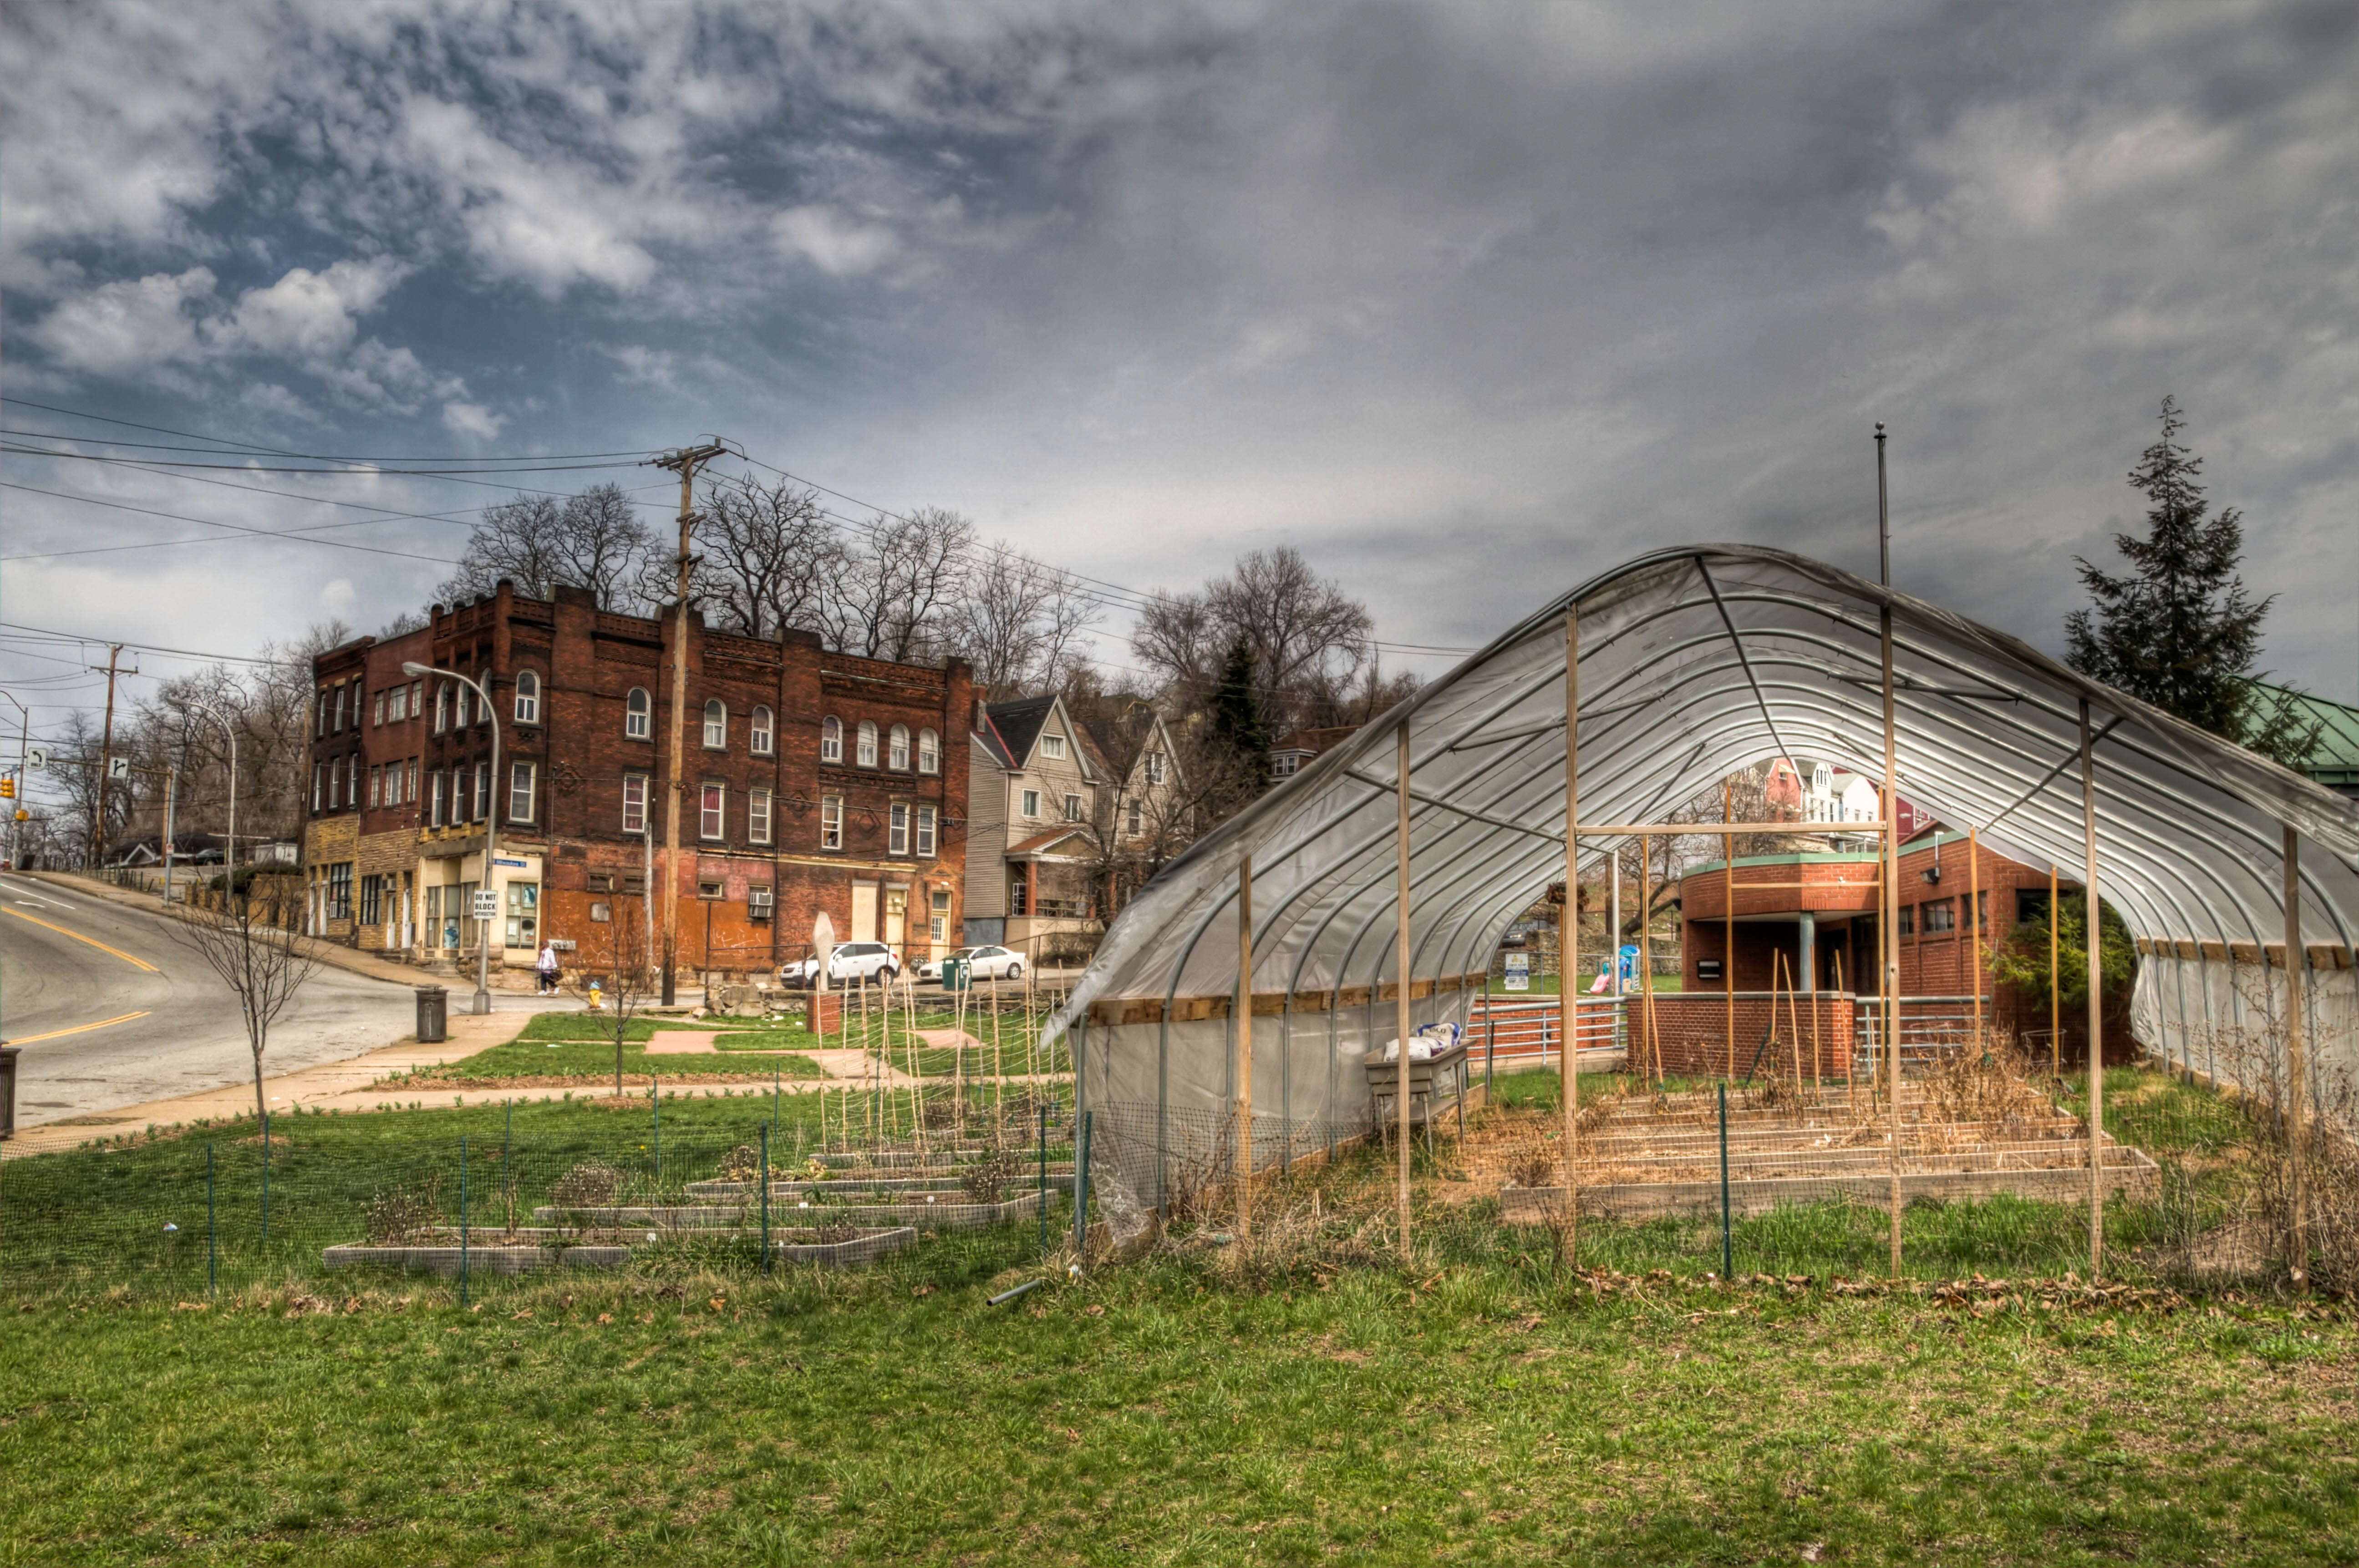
(1808, 922)
(810, 780)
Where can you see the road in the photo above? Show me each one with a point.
(112, 1009)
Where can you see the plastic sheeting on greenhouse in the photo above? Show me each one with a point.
(1695, 661)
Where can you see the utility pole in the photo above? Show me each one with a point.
(106, 760)
(683, 462)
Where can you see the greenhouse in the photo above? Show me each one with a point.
(1693, 663)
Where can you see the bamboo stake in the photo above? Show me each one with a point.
(1794, 1024)
(1851, 1075)
(1889, 811)
(1818, 1064)
(1647, 953)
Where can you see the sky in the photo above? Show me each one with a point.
(1467, 302)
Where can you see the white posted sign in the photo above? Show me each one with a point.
(1519, 971)
(488, 903)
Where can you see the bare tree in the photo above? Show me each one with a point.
(263, 966)
(1309, 640)
(898, 594)
(593, 540)
(771, 558)
(1021, 624)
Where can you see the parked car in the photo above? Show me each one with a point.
(871, 961)
(983, 964)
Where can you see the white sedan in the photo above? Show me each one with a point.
(983, 964)
(871, 961)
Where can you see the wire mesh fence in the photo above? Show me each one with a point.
(647, 1186)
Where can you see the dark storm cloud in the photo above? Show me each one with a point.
(1467, 301)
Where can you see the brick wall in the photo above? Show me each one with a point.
(1693, 1032)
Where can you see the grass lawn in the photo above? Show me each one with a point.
(1164, 1414)
(557, 1049)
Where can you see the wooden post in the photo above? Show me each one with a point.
(2096, 1005)
(1647, 953)
(1245, 1046)
(1974, 915)
(1569, 963)
(1728, 934)
(1400, 958)
(2296, 960)
(1888, 936)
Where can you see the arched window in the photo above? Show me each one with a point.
(528, 698)
(831, 739)
(638, 715)
(897, 758)
(760, 738)
(867, 756)
(930, 752)
(716, 725)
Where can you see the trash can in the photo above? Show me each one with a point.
(433, 1016)
(8, 1054)
(954, 974)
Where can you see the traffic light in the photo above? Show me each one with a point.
(7, 789)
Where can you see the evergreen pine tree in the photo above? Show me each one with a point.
(1237, 721)
(2177, 629)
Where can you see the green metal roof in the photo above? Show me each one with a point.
(2334, 761)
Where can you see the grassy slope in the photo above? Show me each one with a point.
(1159, 1416)
(570, 1046)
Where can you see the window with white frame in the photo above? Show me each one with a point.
(521, 777)
(759, 734)
(925, 831)
(897, 755)
(831, 739)
(757, 815)
(376, 779)
(896, 836)
(930, 752)
(434, 815)
(635, 803)
(830, 822)
(399, 710)
(867, 756)
(638, 715)
(716, 725)
(319, 713)
(528, 698)
(377, 711)
(1134, 819)
(339, 728)
(1283, 764)
(442, 708)
(460, 710)
(712, 816)
(418, 698)
(1031, 803)
(318, 780)
(1072, 808)
(1053, 747)
(1154, 767)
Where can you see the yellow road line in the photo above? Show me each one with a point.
(79, 1027)
(135, 963)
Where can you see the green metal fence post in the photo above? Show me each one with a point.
(1727, 1241)
(507, 1129)
(765, 1197)
(654, 1108)
(212, 1246)
(1043, 1113)
(266, 1177)
(462, 1222)
(1082, 1186)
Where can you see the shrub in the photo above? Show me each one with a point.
(393, 1216)
(591, 1184)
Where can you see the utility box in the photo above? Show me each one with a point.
(433, 1016)
(955, 975)
(8, 1054)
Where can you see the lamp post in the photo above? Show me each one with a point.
(491, 819)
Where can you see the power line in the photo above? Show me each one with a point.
(142, 648)
(362, 471)
(290, 535)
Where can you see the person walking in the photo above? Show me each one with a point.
(548, 967)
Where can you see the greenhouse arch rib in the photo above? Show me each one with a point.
(1695, 661)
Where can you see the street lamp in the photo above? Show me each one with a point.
(491, 820)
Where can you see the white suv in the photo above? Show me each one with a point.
(871, 961)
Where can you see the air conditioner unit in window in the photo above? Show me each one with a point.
(757, 902)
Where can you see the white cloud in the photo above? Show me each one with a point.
(308, 318)
(121, 329)
(471, 419)
(834, 245)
